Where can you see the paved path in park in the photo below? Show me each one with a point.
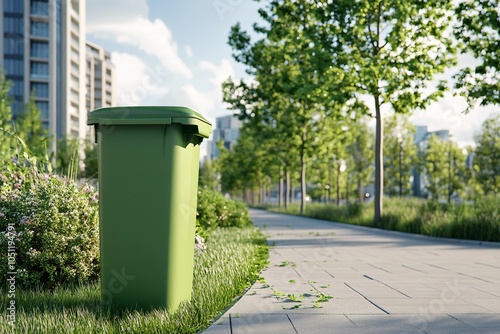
(381, 282)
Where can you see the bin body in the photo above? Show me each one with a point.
(148, 183)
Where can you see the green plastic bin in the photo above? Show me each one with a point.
(148, 186)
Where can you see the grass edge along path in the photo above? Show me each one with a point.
(471, 221)
(232, 261)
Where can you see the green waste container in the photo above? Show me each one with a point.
(148, 186)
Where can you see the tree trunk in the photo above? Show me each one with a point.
(292, 194)
(287, 190)
(280, 191)
(303, 172)
(264, 193)
(269, 190)
(338, 185)
(379, 162)
(360, 190)
(400, 169)
(347, 189)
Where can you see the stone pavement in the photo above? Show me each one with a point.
(326, 277)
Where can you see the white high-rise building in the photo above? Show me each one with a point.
(43, 52)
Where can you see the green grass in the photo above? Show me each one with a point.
(473, 221)
(232, 261)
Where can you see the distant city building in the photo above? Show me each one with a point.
(420, 139)
(100, 74)
(43, 52)
(227, 130)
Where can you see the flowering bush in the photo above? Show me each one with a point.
(215, 210)
(52, 224)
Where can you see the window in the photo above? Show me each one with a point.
(40, 50)
(40, 90)
(40, 29)
(75, 122)
(14, 46)
(13, 25)
(14, 67)
(13, 6)
(39, 70)
(75, 96)
(74, 55)
(74, 25)
(17, 88)
(44, 108)
(39, 7)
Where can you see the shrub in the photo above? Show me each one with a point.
(56, 237)
(215, 210)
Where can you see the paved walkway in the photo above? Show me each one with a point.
(334, 278)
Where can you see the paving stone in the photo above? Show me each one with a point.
(381, 282)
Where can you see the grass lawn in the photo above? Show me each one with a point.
(233, 259)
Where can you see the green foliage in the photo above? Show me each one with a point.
(209, 175)
(68, 157)
(6, 128)
(474, 221)
(478, 30)
(91, 163)
(216, 283)
(56, 229)
(31, 130)
(214, 210)
(487, 156)
(400, 157)
(445, 169)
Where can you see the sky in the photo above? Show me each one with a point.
(176, 53)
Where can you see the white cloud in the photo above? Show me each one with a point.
(118, 11)
(135, 82)
(152, 37)
(221, 72)
(202, 102)
(447, 114)
(189, 51)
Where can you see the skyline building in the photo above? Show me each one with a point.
(43, 51)
(227, 130)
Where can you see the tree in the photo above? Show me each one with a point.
(362, 153)
(30, 128)
(401, 156)
(90, 161)
(67, 157)
(209, 175)
(294, 78)
(478, 29)
(6, 133)
(391, 51)
(444, 168)
(487, 156)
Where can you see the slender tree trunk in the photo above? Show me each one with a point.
(449, 174)
(303, 171)
(379, 162)
(360, 190)
(269, 181)
(264, 193)
(400, 169)
(347, 188)
(292, 195)
(287, 190)
(338, 185)
(280, 191)
(245, 197)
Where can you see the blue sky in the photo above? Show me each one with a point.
(176, 53)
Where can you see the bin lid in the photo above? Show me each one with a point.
(150, 115)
